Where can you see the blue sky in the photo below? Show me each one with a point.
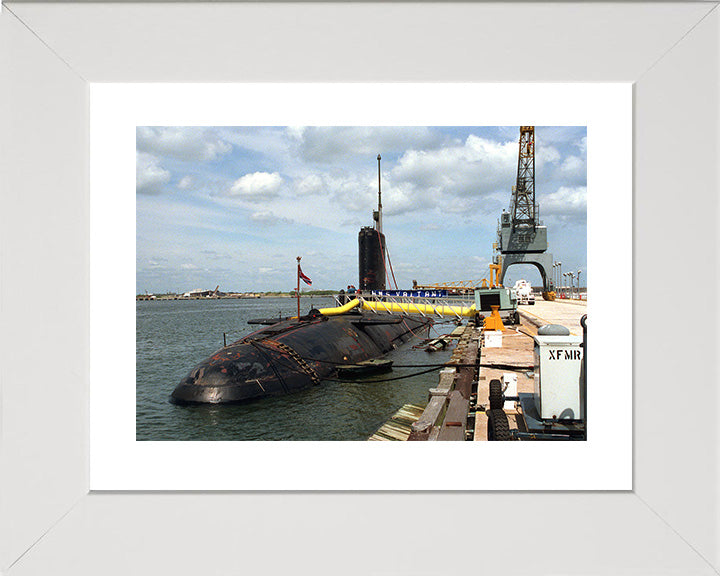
(234, 206)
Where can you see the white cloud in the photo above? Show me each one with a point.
(175, 219)
(556, 135)
(567, 202)
(476, 167)
(403, 199)
(544, 155)
(311, 184)
(150, 177)
(572, 170)
(328, 144)
(185, 183)
(582, 144)
(270, 142)
(257, 185)
(474, 176)
(183, 143)
(159, 263)
(268, 218)
(461, 178)
(322, 182)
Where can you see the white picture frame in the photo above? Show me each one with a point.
(667, 524)
(118, 462)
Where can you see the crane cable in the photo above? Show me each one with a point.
(386, 256)
(391, 268)
(384, 251)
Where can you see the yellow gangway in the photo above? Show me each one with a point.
(401, 307)
(340, 309)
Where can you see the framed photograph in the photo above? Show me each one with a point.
(71, 460)
(132, 134)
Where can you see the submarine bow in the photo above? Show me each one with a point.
(292, 355)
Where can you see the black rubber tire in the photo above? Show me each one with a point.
(516, 318)
(497, 401)
(498, 428)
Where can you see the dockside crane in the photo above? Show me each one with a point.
(522, 237)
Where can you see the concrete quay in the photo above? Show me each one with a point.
(516, 355)
(456, 407)
(564, 312)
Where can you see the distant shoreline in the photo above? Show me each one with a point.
(233, 296)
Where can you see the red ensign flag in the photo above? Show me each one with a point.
(303, 277)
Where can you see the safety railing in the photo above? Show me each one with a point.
(440, 306)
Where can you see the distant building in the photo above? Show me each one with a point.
(198, 293)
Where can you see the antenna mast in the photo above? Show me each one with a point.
(379, 210)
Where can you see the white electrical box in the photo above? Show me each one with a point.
(559, 392)
(493, 339)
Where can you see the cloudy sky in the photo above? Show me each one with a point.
(234, 206)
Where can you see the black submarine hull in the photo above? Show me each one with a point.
(293, 355)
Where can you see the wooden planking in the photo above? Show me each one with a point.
(446, 380)
(445, 416)
(466, 374)
(399, 426)
(516, 351)
(431, 414)
(458, 332)
(439, 421)
(455, 422)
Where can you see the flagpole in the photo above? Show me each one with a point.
(297, 290)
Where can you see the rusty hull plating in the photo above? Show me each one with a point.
(292, 355)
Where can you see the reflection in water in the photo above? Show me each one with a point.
(175, 335)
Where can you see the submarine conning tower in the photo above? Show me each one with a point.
(372, 249)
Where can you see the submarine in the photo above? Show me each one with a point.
(296, 353)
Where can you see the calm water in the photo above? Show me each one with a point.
(175, 335)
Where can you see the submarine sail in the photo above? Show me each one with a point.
(371, 250)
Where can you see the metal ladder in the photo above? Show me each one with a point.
(304, 366)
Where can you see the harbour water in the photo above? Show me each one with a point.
(172, 336)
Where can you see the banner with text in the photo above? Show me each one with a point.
(411, 293)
